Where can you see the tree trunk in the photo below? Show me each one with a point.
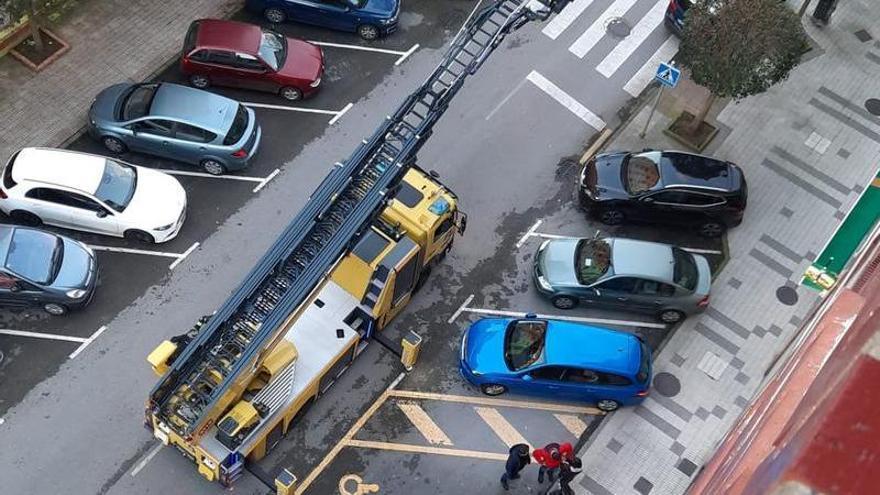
(33, 21)
(694, 126)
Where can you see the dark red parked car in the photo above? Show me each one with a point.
(228, 53)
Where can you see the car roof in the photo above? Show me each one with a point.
(201, 108)
(228, 35)
(644, 259)
(689, 169)
(79, 171)
(587, 346)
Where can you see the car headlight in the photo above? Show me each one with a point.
(76, 293)
(390, 20)
(164, 227)
(315, 83)
(542, 282)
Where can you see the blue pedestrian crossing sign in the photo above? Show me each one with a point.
(667, 75)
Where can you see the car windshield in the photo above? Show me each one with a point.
(117, 185)
(239, 125)
(524, 343)
(137, 102)
(592, 259)
(34, 255)
(685, 272)
(641, 172)
(273, 49)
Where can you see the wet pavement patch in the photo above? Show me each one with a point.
(787, 295)
(667, 384)
(617, 28)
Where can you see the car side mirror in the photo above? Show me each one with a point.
(527, 377)
(100, 213)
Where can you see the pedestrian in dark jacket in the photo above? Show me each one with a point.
(569, 468)
(548, 461)
(516, 461)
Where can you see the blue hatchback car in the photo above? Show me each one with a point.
(557, 360)
(370, 19)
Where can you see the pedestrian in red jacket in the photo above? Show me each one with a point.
(548, 460)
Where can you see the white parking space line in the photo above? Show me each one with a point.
(359, 47)
(265, 181)
(645, 74)
(406, 54)
(426, 426)
(143, 462)
(183, 256)
(596, 31)
(564, 19)
(501, 427)
(460, 308)
(504, 100)
(88, 341)
(529, 233)
(340, 113)
(572, 423)
(289, 108)
(566, 100)
(134, 251)
(639, 33)
(576, 319)
(204, 175)
(41, 335)
(702, 251)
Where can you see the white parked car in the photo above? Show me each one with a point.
(92, 193)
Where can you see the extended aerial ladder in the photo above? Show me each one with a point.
(212, 370)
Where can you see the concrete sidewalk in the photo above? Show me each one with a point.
(809, 149)
(110, 41)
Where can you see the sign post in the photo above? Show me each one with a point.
(667, 76)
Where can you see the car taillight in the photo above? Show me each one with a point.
(671, 5)
(703, 302)
(242, 153)
(3, 194)
(642, 393)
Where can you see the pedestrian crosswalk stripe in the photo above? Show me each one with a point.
(645, 75)
(505, 431)
(426, 426)
(568, 15)
(421, 449)
(572, 423)
(637, 36)
(596, 31)
(566, 100)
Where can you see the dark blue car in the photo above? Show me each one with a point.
(370, 19)
(556, 360)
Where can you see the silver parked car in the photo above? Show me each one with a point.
(176, 122)
(623, 274)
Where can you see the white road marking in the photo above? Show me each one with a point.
(183, 256)
(596, 31)
(639, 33)
(564, 19)
(502, 428)
(265, 181)
(529, 233)
(702, 251)
(340, 113)
(566, 100)
(645, 75)
(88, 341)
(358, 47)
(187, 173)
(572, 423)
(134, 251)
(503, 101)
(407, 54)
(555, 236)
(288, 108)
(140, 465)
(426, 426)
(40, 335)
(577, 319)
(460, 308)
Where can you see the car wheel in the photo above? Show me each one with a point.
(199, 81)
(711, 229)
(55, 309)
(607, 405)
(564, 302)
(25, 218)
(290, 93)
(368, 32)
(213, 167)
(275, 16)
(114, 145)
(670, 316)
(493, 389)
(139, 236)
(611, 217)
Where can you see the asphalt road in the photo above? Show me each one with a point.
(505, 146)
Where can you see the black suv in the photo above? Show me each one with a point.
(671, 187)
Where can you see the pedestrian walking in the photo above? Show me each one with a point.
(518, 459)
(548, 460)
(569, 468)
